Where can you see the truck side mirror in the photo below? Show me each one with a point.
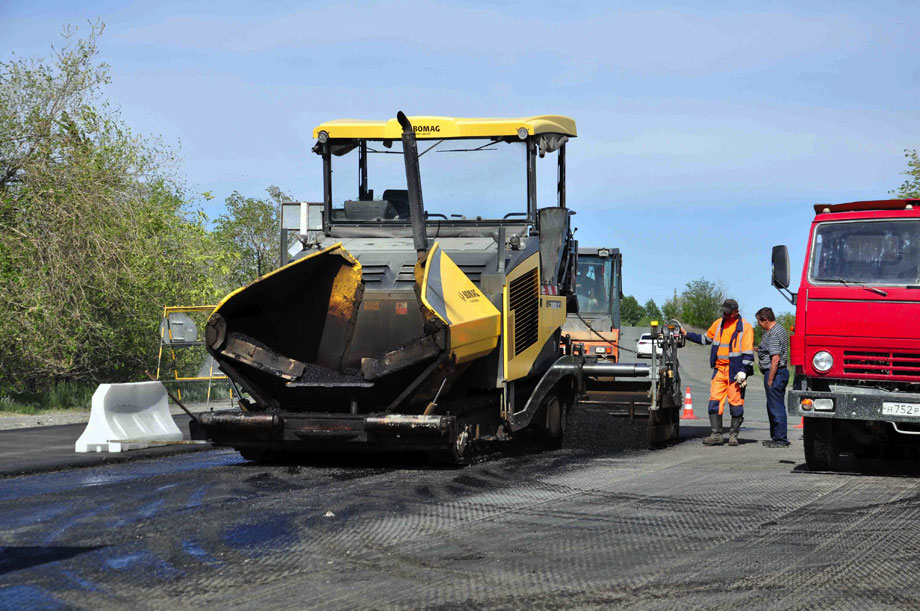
(780, 277)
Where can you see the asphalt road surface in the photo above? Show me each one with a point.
(688, 526)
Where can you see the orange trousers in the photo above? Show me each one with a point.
(721, 389)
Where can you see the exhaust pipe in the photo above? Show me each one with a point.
(414, 185)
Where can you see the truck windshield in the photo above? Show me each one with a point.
(593, 284)
(462, 179)
(872, 252)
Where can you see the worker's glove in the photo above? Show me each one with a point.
(741, 379)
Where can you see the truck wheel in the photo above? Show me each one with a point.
(867, 451)
(821, 450)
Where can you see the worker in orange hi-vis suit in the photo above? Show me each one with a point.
(732, 361)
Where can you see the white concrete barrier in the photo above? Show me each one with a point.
(128, 417)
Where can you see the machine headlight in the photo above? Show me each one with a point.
(824, 405)
(522, 133)
(823, 361)
(323, 136)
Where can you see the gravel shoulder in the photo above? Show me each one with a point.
(78, 416)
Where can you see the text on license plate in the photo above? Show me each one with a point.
(890, 408)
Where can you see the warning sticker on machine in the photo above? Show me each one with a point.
(402, 308)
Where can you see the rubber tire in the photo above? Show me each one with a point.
(556, 412)
(871, 451)
(822, 452)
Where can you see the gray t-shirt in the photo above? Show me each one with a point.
(774, 341)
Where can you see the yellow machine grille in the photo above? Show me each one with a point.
(524, 301)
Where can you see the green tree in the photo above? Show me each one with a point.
(250, 231)
(911, 187)
(787, 319)
(43, 107)
(630, 311)
(96, 235)
(652, 311)
(672, 308)
(700, 303)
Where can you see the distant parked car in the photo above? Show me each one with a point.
(644, 345)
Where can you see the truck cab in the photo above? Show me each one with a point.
(855, 346)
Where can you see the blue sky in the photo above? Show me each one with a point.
(706, 130)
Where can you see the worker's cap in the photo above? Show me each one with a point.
(729, 306)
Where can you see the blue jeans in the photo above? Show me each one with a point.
(776, 407)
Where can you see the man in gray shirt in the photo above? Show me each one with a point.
(773, 353)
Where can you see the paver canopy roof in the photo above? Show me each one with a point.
(448, 127)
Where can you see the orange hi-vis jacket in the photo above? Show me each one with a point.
(732, 345)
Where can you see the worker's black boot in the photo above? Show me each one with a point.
(715, 438)
(734, 430)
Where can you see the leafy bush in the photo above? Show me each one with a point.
(56, 395)
(95, 231)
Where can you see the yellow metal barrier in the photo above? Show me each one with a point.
(168, 340)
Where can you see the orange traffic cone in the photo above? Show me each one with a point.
(800, 425)
(688, 407)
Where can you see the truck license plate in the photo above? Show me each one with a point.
(890, 408)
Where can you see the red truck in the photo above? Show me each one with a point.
(856, 341)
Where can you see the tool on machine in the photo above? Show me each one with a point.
(429, 409)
